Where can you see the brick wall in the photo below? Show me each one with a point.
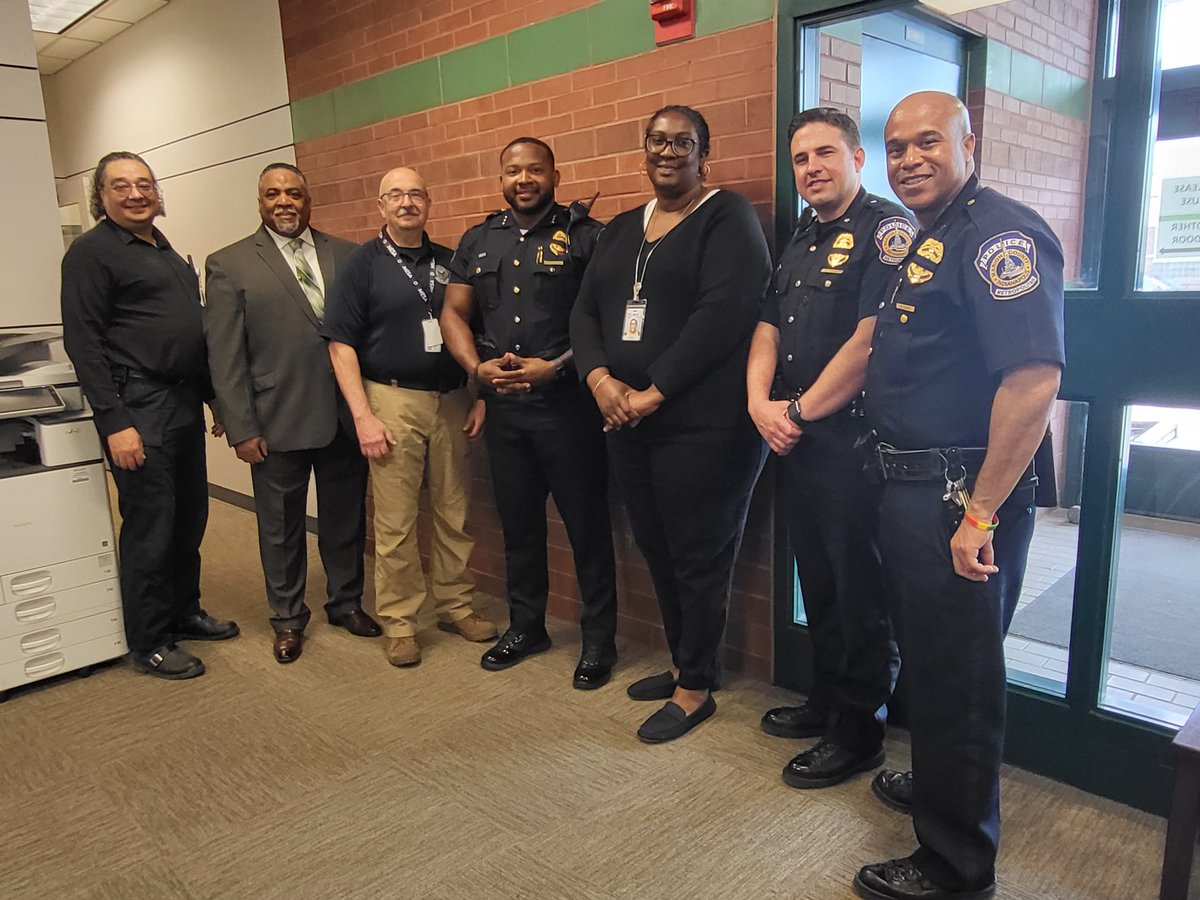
(594, 118)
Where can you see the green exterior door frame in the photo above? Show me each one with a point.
(1124, 346)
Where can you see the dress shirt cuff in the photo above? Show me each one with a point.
(110, 421)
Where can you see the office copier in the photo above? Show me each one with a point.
(60, 600)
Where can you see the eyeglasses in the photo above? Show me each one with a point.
(123, 188)
(417, 195)
(681, 144)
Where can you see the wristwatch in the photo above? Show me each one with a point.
(793, 413)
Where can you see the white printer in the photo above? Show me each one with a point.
(60, 599)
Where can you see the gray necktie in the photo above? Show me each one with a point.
(304, 275)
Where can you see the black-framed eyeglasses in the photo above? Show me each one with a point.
(123, 188)
(681, 143)
(396, 196)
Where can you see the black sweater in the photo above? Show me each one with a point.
(703, 287)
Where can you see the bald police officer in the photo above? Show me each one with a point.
(815, 331)
(965, 366)
(516, 275)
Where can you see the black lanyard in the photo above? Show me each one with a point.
(427, 298)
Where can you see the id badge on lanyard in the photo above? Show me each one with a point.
(635, 320)
(431, 331)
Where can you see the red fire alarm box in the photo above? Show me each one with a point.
(674, 20)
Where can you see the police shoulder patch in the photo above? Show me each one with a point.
(894, 238)
(1007, 262)
(441, 274)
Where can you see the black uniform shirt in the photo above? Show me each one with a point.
(376, 308)
(525, 284)
(128, 304)
(979, 292)
(832, 275)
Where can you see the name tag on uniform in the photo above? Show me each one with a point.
(433, 335)
(635, 320)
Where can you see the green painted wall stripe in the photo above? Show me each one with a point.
(1020, 75)
(605, 31)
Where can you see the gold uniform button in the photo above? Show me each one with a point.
(478, 269)
(522, 239)
(516, 262)
(516, 290)
(798, 283)
(791, 319)
(517, 319)
(828, 282)
(903, 318)
(812, 248)
(870, 350)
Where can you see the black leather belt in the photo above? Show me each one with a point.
(440, 387)
(925, 465)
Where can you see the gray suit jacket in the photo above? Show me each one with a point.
(270, 366)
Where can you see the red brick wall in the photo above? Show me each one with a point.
(594, 119)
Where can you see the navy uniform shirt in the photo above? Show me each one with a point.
(979, 293)
(376, 308)
(831, 276)
(129, 306)
(525, 284)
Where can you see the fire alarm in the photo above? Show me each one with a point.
(674, 20)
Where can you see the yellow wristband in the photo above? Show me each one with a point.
(982, 526)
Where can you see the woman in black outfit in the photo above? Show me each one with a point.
(660, 331)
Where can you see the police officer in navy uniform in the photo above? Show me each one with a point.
(815, 331)
(964, 368)
(516, 276)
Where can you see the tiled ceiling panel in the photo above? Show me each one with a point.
(105, 21)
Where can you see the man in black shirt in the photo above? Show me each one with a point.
(132, 327)
(411, 410)
(815, 332)
(513, 284)
(264, 297)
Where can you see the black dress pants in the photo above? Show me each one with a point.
(553, 445)
(832, 512)
(280, 504)
(164, 509)
(687, 495)
(951, 635)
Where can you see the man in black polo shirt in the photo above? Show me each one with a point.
(515, 278)
(411, 408)
(132, 327)
(815, 332)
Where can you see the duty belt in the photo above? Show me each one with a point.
(926, 465)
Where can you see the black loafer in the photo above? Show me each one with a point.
(203, 627)
(655, 687)
(168, 661)
(513, 647)
(828, 764)
(900, 879)
(796, 721)
(357, 623)
(894, 790)
(594, 669)
(672, 722)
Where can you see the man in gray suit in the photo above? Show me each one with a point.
(280, 405)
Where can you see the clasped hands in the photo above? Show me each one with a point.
(512, 374)
(771, 419)
(621, 405)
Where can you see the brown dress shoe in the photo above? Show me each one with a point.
(402, 651)
(288, 645)
(472, 627)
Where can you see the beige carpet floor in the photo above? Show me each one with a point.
(340, 776)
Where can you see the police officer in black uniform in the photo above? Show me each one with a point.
(132, 326)
(815, 332)
(964, 369)
(520, 271)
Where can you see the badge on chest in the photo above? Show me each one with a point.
(635, 320)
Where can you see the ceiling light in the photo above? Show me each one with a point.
(56, 16)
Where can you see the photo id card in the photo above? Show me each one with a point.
(635, 320)
(433, 335)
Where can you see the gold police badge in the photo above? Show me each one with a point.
(837, 260)
(918, 274)
(560, 237)
(844, 241)
(931, 249)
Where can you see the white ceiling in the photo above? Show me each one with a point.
(108, 19)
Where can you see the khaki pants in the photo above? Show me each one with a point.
(428, 430)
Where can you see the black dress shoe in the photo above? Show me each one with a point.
(894, 789)
(796, 721)
(594, 669)
(289, 644)
(513, 647)
(357, 623)
(168, 661)
(671, 721)
(203, 627)
(900, 879)
(655, 687)
(828, 764)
